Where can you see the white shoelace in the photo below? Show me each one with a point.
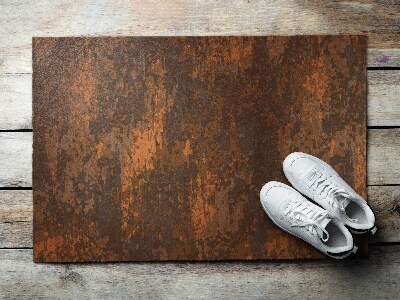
(322, 185)
(304, 215)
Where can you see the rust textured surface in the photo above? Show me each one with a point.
(155, 148)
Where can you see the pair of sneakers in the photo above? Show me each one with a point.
(328, 227)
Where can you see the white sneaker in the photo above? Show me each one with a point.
(318, 181)
(293, 213)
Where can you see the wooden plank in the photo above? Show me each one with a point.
(383, 166)
(376, 278)
(16, 216)
(15, 101)
(24, 19)
(385, 202)
(16, 159)
(15, 219)
(383, 58)
(383, 99)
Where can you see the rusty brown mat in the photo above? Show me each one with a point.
(156, 148)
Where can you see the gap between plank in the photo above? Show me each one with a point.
(383, 68)
(382, 127)
(15, 130)
(11, 188)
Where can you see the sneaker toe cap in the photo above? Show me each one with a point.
(297, 165)
(274, 197)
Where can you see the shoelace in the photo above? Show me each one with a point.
(306, 216)
(321, 184)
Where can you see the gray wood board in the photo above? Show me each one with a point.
(24, 19)
(383, 165)
(375, 278)
(16, 216)
(383, 100)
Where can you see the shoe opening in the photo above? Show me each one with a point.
(355, 211)
(336, 236)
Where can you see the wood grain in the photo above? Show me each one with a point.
(16, 159)
(23, 19)
(376, 278)
(16, 216)
(383, 100)
(385, 202)
(15, 101)
(15, 219)
(383, 156)
(384, 58)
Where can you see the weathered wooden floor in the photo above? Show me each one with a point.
(378, 277)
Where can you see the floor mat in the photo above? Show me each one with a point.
(156, 148)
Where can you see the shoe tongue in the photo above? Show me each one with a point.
(325, 222)
(343, 200)
(310, 173)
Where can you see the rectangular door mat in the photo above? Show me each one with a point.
(156, 148)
